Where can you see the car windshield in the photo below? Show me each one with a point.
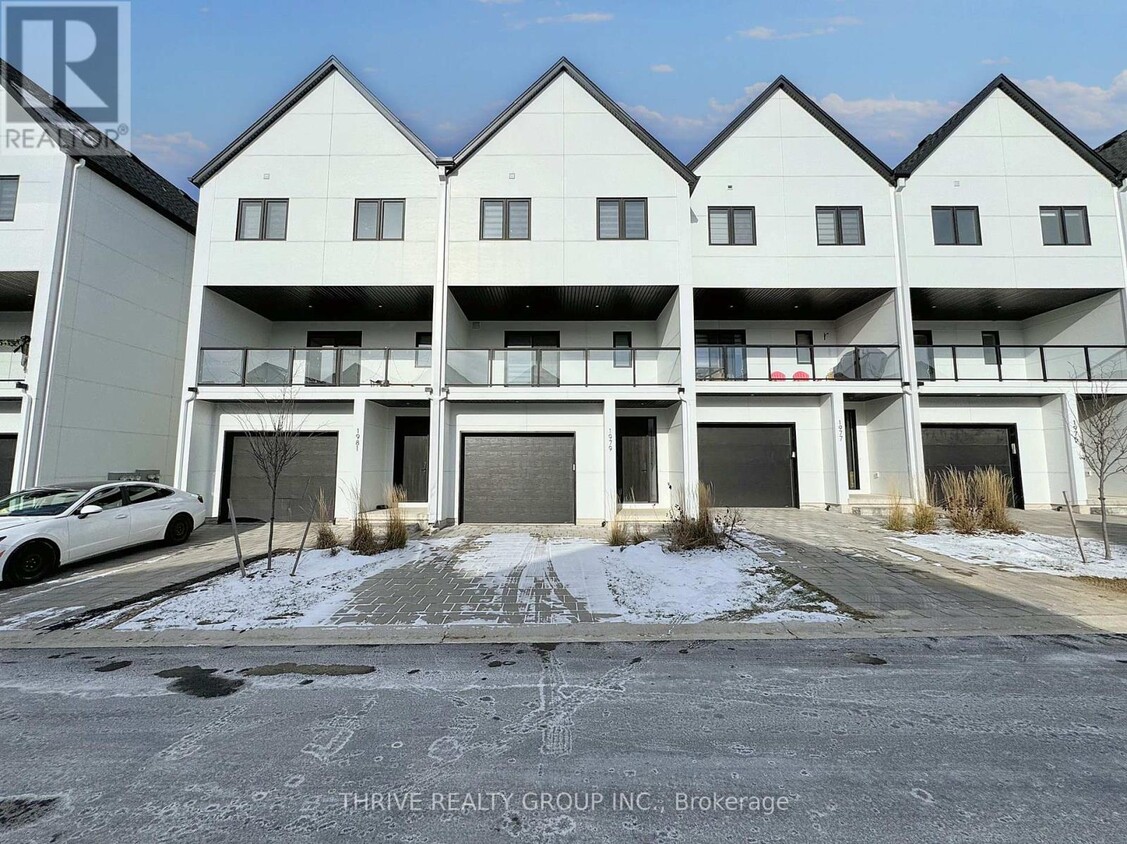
(39, 502)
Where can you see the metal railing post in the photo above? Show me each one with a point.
(998, 360)
(1087, 363)
(769, 373)
(857, 362)
(489, 369)
(954, 362)
(243, 374)
(1044, 371)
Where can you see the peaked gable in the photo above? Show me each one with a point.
(1002, 83)
(813, 109)
(303, 89)
(564, 66)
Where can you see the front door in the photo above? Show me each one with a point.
(527, 364)
(925, 355)
(101, 532)
(637, 459)
(321, 366)
(412, 456)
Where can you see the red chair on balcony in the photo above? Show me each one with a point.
(778, 376)
(801, 376)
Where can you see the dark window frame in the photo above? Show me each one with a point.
(1059, 211)
(730, 211)
(379, 218)
(836, 210)
(423, 352)
(264, 202)
(621, 201)
(991, 348)
(505, 201)
(804, 352)
(953, 211)
(15, 202)
(623, 361)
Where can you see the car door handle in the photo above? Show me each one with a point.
(166, 507)
(122, 516)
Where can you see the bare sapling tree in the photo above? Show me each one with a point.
(1100, 433)
(274, 440)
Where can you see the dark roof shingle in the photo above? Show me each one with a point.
(114, 163)
(1114, 152)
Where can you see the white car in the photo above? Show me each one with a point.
(46, 527)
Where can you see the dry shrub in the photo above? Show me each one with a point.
(960, 501)
(925, 518)
(897, 518)
(395, 528)
(992, 490)
(326, 537)
(704, 530)
(621, 532)
(363, 540)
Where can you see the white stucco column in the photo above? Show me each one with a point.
(838, 494)
(1076, 468)
(687, 314)
(610, 462)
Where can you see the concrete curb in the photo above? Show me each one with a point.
(532, 633)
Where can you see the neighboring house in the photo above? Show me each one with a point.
(95, 258)
(562, 320)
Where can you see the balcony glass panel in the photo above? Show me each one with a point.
(268, 367)
(221, 366)
(315, 367)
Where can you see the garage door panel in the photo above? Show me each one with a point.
(748, 465)
(313, 470)
(520, 479)
(969, 447)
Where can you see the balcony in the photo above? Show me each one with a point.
(797, 363)
(604, 367)
(1021, 363)
(324, 367)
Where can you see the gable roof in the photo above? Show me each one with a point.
(813, 109)
(1002, 83)
(1114, 152)
(330, 65)
(564, 65)
(106, 158)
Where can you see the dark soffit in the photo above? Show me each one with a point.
(281, 303)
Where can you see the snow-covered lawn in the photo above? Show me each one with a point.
(1025, 552)
(545, 580)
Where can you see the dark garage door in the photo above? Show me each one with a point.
(518, 478)
(7, 462)
(967, 447)
(749, 465)
(313, 470)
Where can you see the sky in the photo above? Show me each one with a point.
(890, 70)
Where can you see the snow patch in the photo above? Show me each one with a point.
(1035, 552)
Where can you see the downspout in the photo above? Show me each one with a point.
(180, 478)
(909, 384)
(438, 343)
(56, 297)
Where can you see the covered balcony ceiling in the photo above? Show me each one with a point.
(563, 303)
(17, 290)
(280, 303)
(978, 303)
(812, 303)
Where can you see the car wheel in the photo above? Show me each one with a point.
(29, 564)
(179, 529)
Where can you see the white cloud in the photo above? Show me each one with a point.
(578, 17)
(661, 68)
(1083, 108)
(174, 149)
(815, 28)
(998, 61)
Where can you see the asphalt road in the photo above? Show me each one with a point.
(914, 740)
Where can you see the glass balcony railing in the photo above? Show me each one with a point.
(562, 367)
(327, 367)
(798, 363)
(1021, 363)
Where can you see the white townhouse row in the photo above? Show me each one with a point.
(563, 320)
(95, 275)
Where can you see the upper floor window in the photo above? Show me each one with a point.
(840, 226)
(263, 219)
(731, 226)
(506, 219)
(378, 219)
(955, 226)
(1065, 226)
(8, 187)
(623, 219)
